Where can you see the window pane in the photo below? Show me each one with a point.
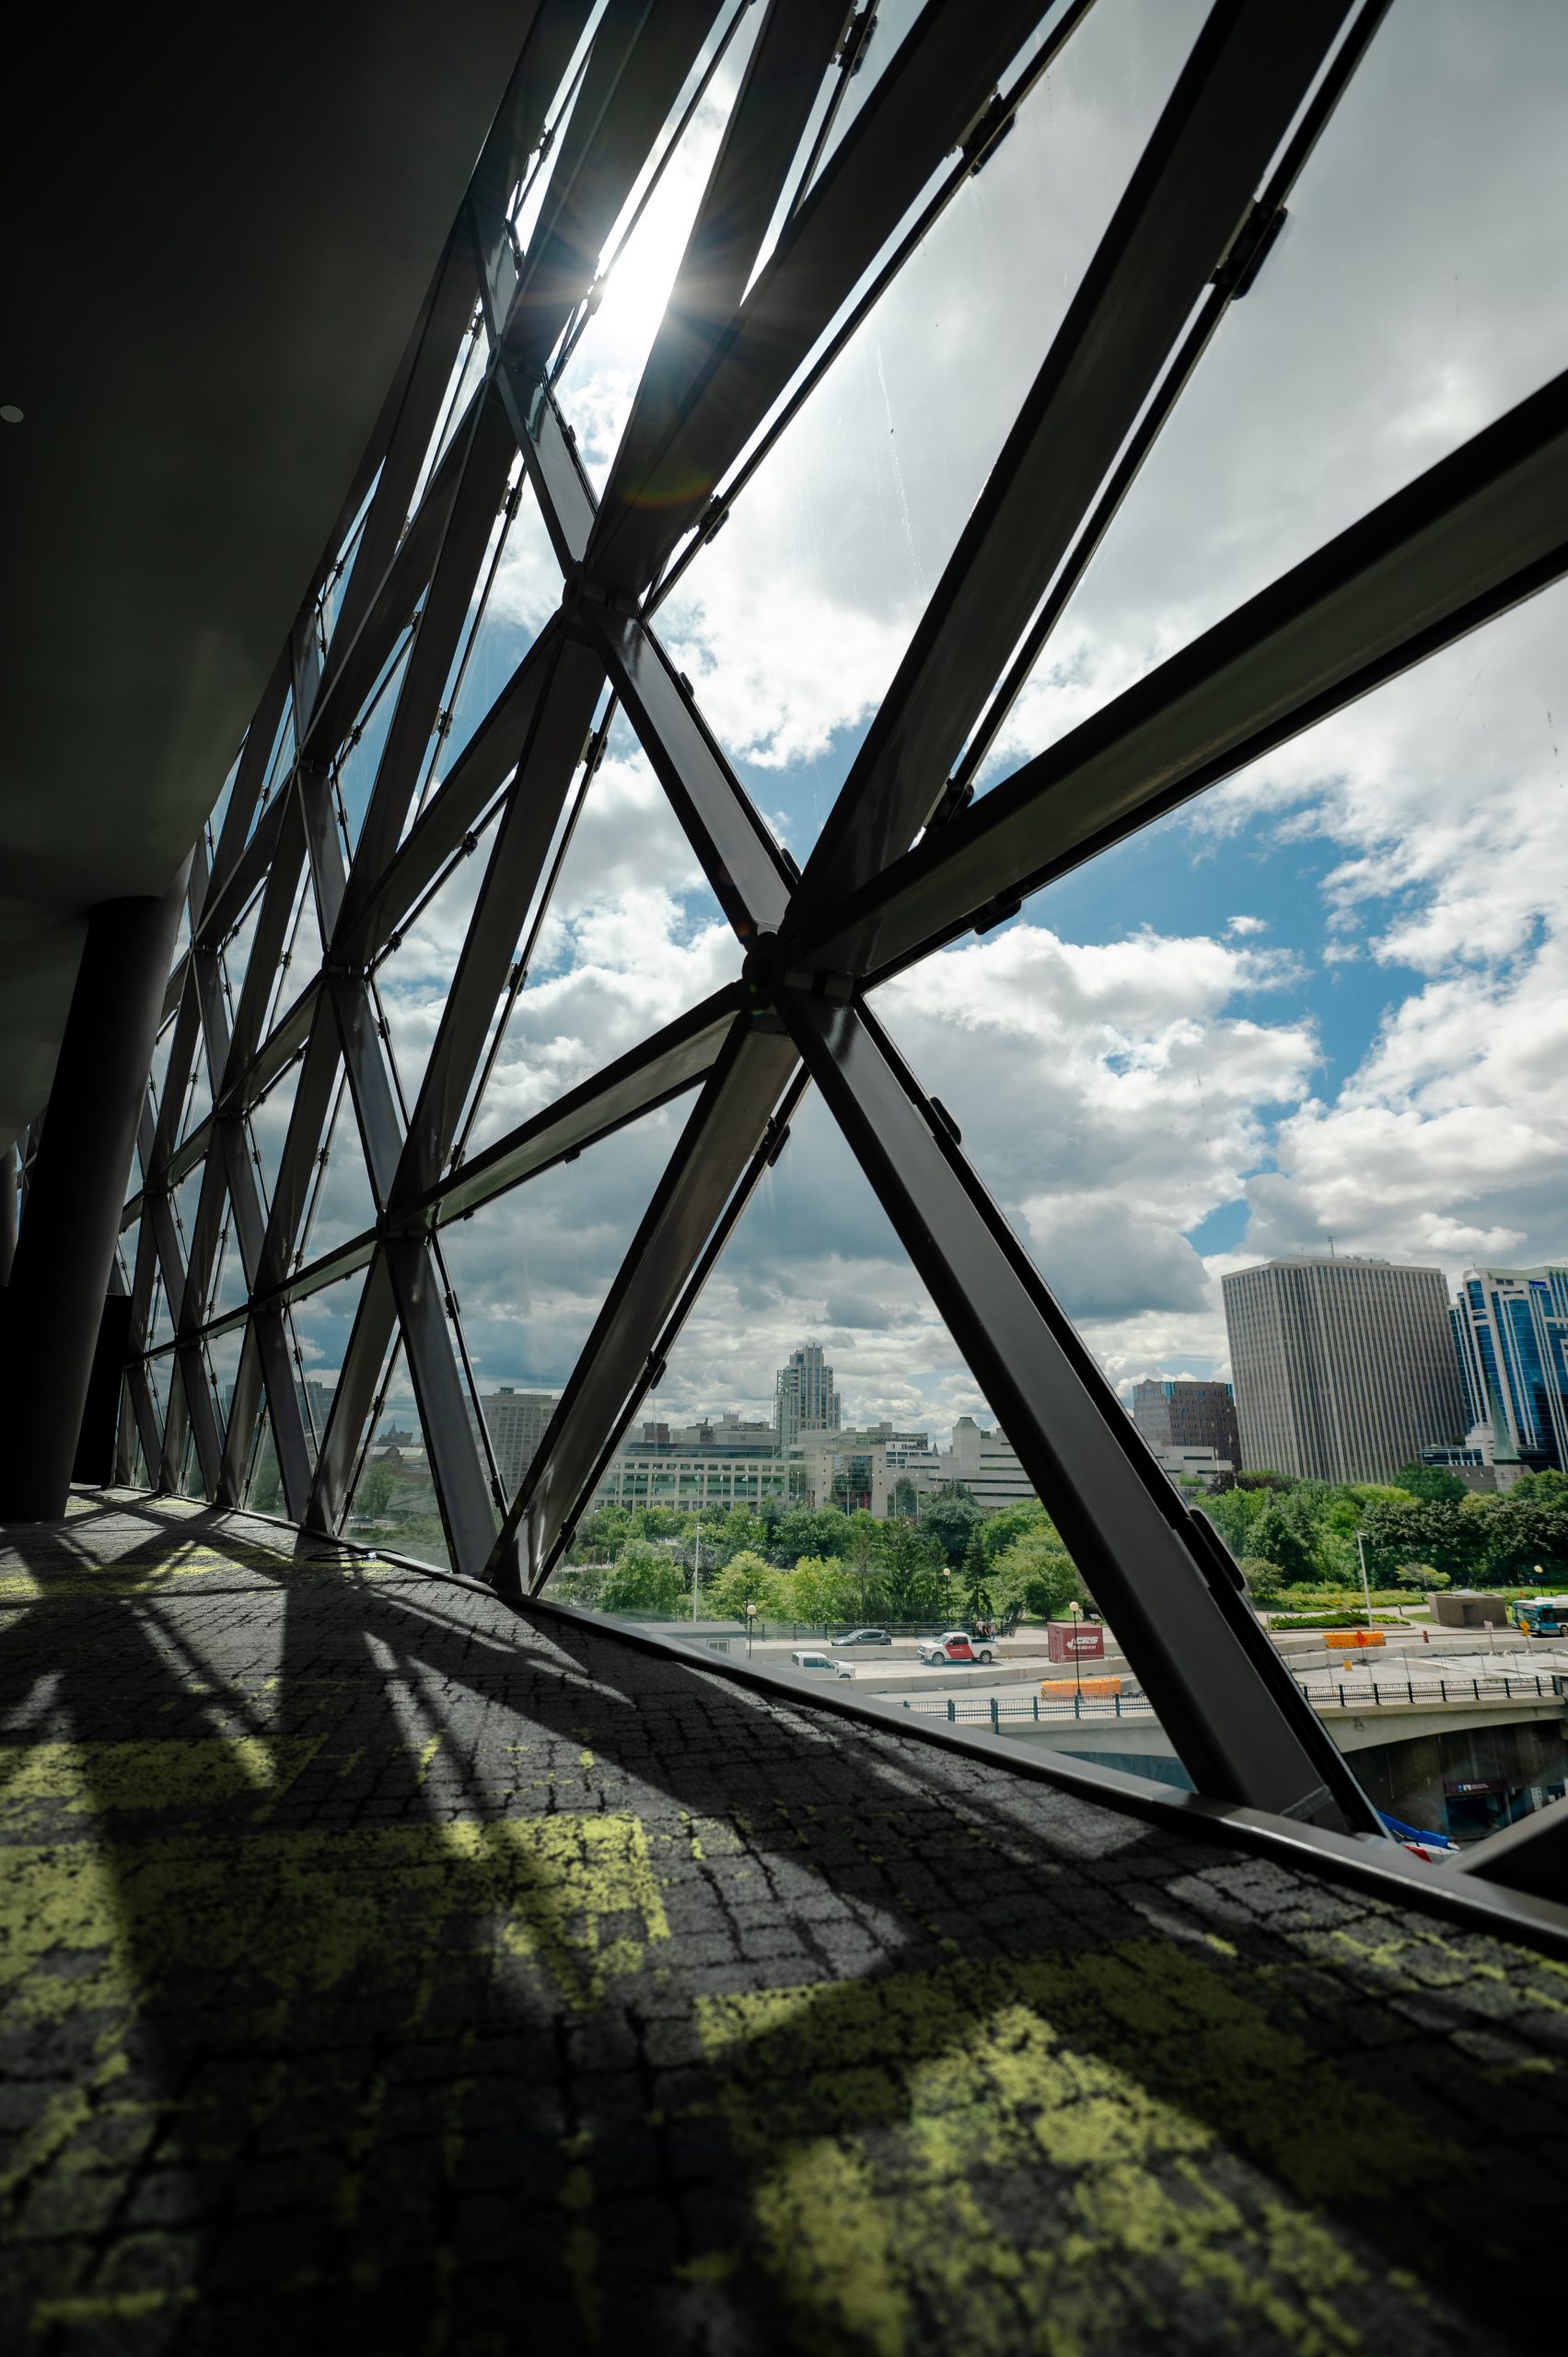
(596, 387)
(792, 621)
(394, 1503)
(1287, 1036)
(630, 938)
(1411, 300)
(322, 1322)
(532, 1272)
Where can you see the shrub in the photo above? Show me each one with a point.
(1264, 1580)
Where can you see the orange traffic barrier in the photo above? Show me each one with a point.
(1053, 1688)
(1345, 1638)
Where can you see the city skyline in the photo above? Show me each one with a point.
(685, 1398)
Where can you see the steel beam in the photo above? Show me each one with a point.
(475, 509)
(559, 484)
(663, 1067)
(1480, 530)
(353, 1402)
(450, 1441)
(1250, 71)
(791, 52)
(546, 765)
(232, 889)
(267, 947)
(353, 665)
(371, 909)
(240, 1431)
(1238, 1721)
(749, 877)
(924, 102)
(255, 758)
(721, 1136)
(521, 119)
(640, 57)
(437, 340)
(304, 1144)
(1231, 281)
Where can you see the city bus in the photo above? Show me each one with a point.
(1540, 1616)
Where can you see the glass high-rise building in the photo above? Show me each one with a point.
(803, 1396)
(1187, 1413)
(1510, 1330)
(1344, 1369)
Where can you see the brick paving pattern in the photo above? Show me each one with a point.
(386, 1971)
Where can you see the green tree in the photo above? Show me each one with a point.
(1275, 1540)
(583, 1588)
(1234, 1513)
(1432, 1483)
(1547, 1489)
(644, 1578)
(1038, 1572)
(906, 1498)
(1263, 1580)
(978, 1604)
(863, 1536)
(266, 1487)
(822, 1589)
(1454, 1538)
(739, 1530)
(952, 1518)
(999, 1531)
(809, 1530)
(1420, 1575)
(375, 1489)
(1520, 1531)
(601, 1535)
(746, 1579)
(909, 1573)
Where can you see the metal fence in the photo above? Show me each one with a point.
(1409, 1694)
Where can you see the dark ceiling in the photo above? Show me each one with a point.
(221, 230)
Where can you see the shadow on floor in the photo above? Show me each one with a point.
(381, 1967)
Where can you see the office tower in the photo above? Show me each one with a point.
(1510, 1330)
(316, 1397)
(1188, 1414)
(987, 1464)
(1344, 1369)
(803, 1396)
(516, 1421)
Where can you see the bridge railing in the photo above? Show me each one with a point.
(1405, 1693)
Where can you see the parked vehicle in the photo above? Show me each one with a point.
(956, 1645)
(813, 1657)
(864, 1637)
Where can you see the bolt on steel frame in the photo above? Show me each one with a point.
(907, 860)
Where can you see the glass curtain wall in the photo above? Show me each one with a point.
(929, 729)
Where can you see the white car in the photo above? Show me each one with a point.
(810, 1658)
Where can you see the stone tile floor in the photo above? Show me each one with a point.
(386, 1971)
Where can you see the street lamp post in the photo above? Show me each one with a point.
(750, 1624)
(1366, 1589)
